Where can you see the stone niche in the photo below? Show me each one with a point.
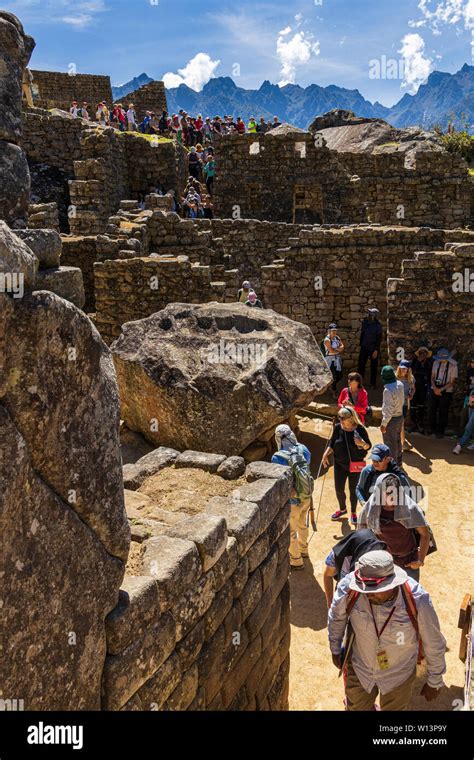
(202, 621)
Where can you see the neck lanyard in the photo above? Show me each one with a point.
(379, 635)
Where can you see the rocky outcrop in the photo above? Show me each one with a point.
(214, 377)
(345, 132)
(64, 530)
(16, 48)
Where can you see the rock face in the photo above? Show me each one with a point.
(15, 51)
(214, 377)
(346, 133)
(64, 530)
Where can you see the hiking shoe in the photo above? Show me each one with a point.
(337, 515)
(353, 518)
(457, 449)
(470, 447)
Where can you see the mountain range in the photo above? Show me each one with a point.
(442, 96)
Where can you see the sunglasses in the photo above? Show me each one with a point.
(369, 581)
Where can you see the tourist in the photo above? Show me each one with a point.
(253, 301)
(379, 600)
(443, 377)
(209, 173)
(102, 114)
(470, 375)
(276, 122)
(198, 125)
(421, 368)
(74, 110)
(183, 122)
(207, 130)
(252, 126)
(370, 341)
(131, 118)
(83, 112)
(262, 126)
(333, 348)
(240, 126)
(145, 124)
(207, 208)
(349, 444)
(244, 292)
(342, 557)
(405, 375)
(392, 412)
(355, 395)
(382, 462)
(398, 520)
(296, 456)
(194, 164)
(466, 425)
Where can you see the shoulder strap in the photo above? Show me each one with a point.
(352, 597)
(410, 604)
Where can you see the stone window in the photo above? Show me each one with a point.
(300, 149)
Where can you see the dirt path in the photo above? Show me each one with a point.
(447, 575)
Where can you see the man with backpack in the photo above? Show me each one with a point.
(296, 456)
(392, 623)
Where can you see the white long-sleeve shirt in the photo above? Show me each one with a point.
(399, 639)
(393, 400)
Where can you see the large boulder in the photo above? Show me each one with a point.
(65, 534)
(214, 377)
(15, 51)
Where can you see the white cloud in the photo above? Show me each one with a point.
(197, 72)
(298, 17)
(284, 31)
(294, 52)
(436, 14)
(76, 13)
(416, 66)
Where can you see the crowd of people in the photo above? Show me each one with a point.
(372, 575)
(185, 129)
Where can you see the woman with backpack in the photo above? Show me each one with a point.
(355, 395)
(398, 520)
(297, 456)
(332, 348)
(349, 444)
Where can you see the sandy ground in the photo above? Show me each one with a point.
(447, 574)
(184, 490)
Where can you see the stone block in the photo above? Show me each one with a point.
(190, 645)
(242, 519)
(185, 692)
(45, 244)
(138, 606)
(126, 672)
(226, 564)
(219, 609)
(148, 465)
(251, 594)
(232, 468)
(157, 689)
(174, 563)
(200, 460)
(192, 605)
(268, 494)
(208, 532)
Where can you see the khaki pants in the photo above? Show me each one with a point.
(359, 700)
(298, 532)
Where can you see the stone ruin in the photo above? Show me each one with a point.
(163, 584)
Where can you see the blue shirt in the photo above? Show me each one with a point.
(277, 459)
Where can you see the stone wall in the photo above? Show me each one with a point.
(432, 304)
(81, 251)
(285, 176)
(51, 138)
(43, 216)
(54, 89)
(203, 623)
(150, 97)
(333, 275)
(432, 190)
(282, 176)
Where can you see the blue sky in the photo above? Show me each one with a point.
(360, 44)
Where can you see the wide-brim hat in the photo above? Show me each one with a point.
(375, 572)
(424, 348)
(443, 354)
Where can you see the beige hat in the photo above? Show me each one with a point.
(424, 348)
(375, 572)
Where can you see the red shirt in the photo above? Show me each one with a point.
(198, 124)
(240, 126)
(360, 406)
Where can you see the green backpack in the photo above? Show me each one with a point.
(302, 478)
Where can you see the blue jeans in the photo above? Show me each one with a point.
(468, 431)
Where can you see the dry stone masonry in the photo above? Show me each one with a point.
(54, 89)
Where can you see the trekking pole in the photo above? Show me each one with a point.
(310, 513)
